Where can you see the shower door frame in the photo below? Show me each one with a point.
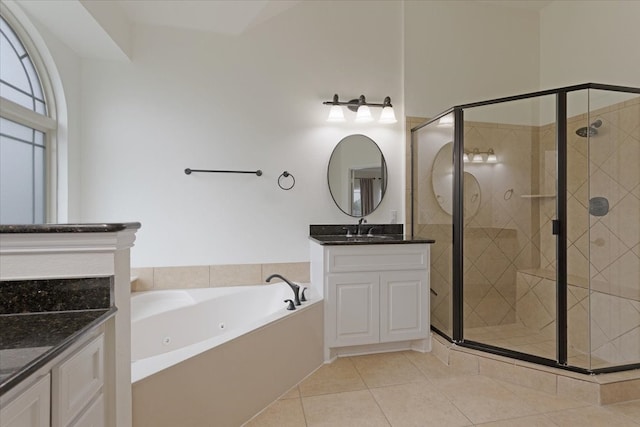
(559, 228)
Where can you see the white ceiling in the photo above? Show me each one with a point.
(522, 4)
(101, 29)
(225, 17)
(235, 16)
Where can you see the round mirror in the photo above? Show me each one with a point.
(442, 182)
(357, 175)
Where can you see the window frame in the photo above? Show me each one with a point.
(48, 124)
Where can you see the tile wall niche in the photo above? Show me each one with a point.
(205, 276)
(508, 275)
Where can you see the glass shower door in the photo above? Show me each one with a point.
(509, 252)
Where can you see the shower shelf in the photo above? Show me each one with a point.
(538, 196)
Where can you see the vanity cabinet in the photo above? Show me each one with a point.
(377, 307)
(31, 408)
(376, 296)
(77, 388)
(68, 393)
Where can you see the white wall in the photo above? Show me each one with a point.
(206, 101)
(199, 100)
(458, 52)
(590, 42)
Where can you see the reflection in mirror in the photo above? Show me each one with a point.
(357, 175)
(442, 182)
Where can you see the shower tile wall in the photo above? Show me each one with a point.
(510, 250)
(607, 247)
(498, 239)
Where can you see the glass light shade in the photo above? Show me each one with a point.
(476, 158)
(491, 158)
(336, 114)
(388, 115)
(465, 158)
(364, 114)
(446, 121)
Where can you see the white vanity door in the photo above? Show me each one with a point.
(354, 317)
(31, 408)
(403, 305)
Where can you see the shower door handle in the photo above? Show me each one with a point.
(555, 226)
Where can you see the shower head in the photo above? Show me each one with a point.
(587, 131)
(592, 130)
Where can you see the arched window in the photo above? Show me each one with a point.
(26, 133)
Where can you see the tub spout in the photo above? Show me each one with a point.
(295, 288)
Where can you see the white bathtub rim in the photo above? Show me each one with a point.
(179, 298)
(144, 368)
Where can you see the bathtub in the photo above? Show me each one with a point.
(222, 352)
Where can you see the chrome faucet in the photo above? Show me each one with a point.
(360, 222)
(295, 288)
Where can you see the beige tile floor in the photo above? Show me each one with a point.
(516, 336)
(416, 389)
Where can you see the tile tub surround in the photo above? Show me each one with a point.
(204, 276)
(409, 388)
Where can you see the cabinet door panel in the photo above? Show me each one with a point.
(31, 408)
(76, 381)
(403, 305)
(354, 317)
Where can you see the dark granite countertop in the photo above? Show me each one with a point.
(39, 319)
(68, 228)
(29, 341)
(387, 239)
(372, 234)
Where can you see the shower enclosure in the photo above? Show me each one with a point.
(534, 203)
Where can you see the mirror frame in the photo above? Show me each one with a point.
(472, 201)
(384, 175)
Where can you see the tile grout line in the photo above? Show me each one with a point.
(444, 394)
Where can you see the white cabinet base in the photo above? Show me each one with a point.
(422, 346)
(376, 297)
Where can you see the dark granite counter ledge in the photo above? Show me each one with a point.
(364, 240)
(381, 234)
(30, 341)
(67, 228)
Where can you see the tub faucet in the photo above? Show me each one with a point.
(295, 288)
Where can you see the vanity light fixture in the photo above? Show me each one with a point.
(336, 114)
(387, 115)
(363, 115)
(362, 109)
(491, 156)
(476, 156)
